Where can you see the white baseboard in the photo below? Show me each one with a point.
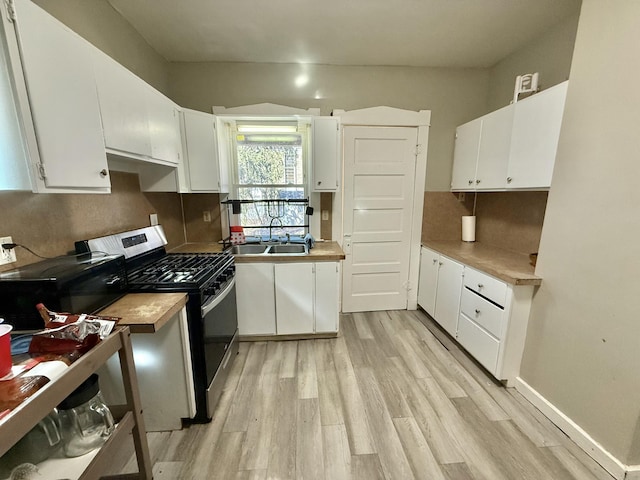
(611, 464)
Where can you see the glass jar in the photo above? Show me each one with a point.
(85, 419)
(36, 446)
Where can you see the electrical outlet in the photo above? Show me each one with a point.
(7, 256)
(206, 216)
(153, 219)
(461, 196)
(325, 215)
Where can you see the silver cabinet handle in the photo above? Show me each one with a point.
(509, 179)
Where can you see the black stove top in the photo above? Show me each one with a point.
(182, 271)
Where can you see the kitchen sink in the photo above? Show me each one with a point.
(287, 249)
(249, 249)
(279, 249)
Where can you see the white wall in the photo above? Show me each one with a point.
(583, 343)
(549, 54)
(454, 95)
(97, 22)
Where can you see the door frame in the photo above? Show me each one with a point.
(392, 117)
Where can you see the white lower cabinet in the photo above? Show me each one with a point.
(294, 284)
(439, 288)
(256, 298)
(491, 316)
(327, 297)
(287, 298)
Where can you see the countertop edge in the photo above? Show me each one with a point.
(489, 260)
(156, 321)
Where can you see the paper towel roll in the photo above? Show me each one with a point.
(469, 228)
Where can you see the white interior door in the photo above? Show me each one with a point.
(379, 171)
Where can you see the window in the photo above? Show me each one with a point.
(270, 170)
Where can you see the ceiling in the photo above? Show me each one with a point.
(439, 33)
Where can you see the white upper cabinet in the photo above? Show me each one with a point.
(163, 117)
(61, 91)
(201, 151)
(493, 151)
(465, 155)
(325, 156)
(481, 154)
(511, 148)
(138, 121)
(123, 106)
(534, 138)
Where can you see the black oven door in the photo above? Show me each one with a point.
(220, 321)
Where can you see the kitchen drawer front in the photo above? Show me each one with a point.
(483, 312)
(487, 286)
(478, 343)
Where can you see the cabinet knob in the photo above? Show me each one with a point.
(470, 182)
(477, 182)
(319, 182)
(435, 260)
(440, 263)
(509, 179)
(477, 312)
(480, 285)
(104, 172)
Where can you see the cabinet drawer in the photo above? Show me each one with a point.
(478, 343)
(487, 286)
(484, 313)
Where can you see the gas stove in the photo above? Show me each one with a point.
(209, 281)
(184, 272)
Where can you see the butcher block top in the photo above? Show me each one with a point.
(322, 252)
(511, 267)
(146, 312)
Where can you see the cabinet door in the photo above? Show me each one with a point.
(164, 127)
(448, 294)
(294, 297)
(201, 151)
(465, 155)
(534, 138)
(493, 153)
(325, 157)
(255, 298)
(327, 296)
(63, 100)
(428, 282)
(123, 106)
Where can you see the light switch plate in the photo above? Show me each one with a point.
(153, 219)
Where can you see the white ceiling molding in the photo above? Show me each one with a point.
(384, 116)
(265, 109)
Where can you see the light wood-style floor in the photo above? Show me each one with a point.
(392, 398)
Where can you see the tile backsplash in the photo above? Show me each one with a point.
(49, 224)
(508, 220)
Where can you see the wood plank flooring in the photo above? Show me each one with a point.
(392, 397)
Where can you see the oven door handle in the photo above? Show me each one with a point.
(215, 301)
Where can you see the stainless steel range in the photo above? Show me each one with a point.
(209, 281)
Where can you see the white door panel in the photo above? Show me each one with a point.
(379, 170)
(376, 283)
(379, 253)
